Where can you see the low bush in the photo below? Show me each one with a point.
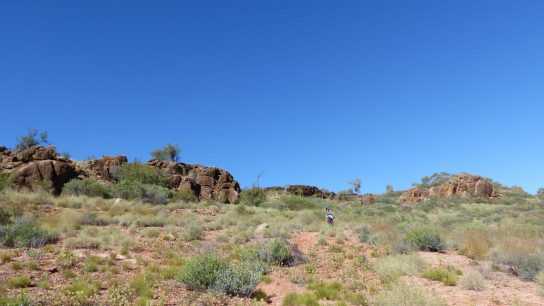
(474, 244)
(92, 219)
(253, 196)
(390, 268)
(447, 275)
(119, 295)
(327, 290)
(193, 232)
(525, 265)
(22, 299)
(5, 181)
(238, 281)
(472, 281)
(66, 260)
(201, 272)
(24, 235)
(5, 216)
(540, 280)
(85, 287)
(277, 252)
(143, 284)
(148, 193)
(301, 299)
(18, 282)
(403, 295)
(141, 173)
(294, 202)
(87, 187)
(185, 195)
(426, 239)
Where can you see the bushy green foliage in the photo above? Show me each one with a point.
(301, 299)
(149, 193)
(472, 281)
(22, 299)
(87, 187)
(85, 286)
(390, 268)
(447, 275)
(253, 196)
(5, 181)
(141, 173)
(24, 235)
(237, 280)
(66, 260)
(185, 195)
(399, 294)
(426, 239)
(295, 202)
(201, 272)
(120, 295)
(19, 282)
(327, 290)
(32, 138)
(5, 216)
(277, 252)
(169, 152)
(526, 265)
(143, 284)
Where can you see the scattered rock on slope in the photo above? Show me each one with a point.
(464, 185)
(37, 164)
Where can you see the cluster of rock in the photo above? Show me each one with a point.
(205, 182)
(304, 190)
(463, 185)
(32, 166)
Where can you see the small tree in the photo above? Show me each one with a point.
(389, 189)
(32, 138)
(169, 152)
(356, 185)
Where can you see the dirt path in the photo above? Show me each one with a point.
(501, 288)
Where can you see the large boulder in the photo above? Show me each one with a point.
(103, 169)
(463, 185)
(205, 182)
(36, 165)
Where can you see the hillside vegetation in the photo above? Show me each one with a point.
(270, 248)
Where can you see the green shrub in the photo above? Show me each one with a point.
(5, 181)
(92, 263)
(194, 232)
(92, 219)
(153, 194)
(426, 239)
(327, 290)
(185, 195)
(277, 252)
(19, 300)
(201, 272)
(120, 296)
(472, 281)
(526, 265)
(253, 196)
(87, 187)
(143, 284)
(404, 295)
(238, 281)
(300, 299)
(85, 287)
(169, 152)
(19, 282)
(141, 173)
(66, 260)
(295, 202)
(390, 268)
(24, 235)
(447, 275)
(5, 216)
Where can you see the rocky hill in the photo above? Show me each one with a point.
(463, 185)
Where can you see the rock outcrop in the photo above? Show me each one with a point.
(37, 164)
(463, 185)
(103, 169)
(304, 190)
(205, 182)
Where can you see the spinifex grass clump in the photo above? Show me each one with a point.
(447, 275)
(24, 235)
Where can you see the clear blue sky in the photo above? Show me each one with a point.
(312, 92)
